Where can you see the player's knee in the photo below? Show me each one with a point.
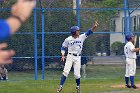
(65, 74)
(77, 76)
(132, 74)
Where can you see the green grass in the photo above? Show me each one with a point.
(99, 79)
(50, 86)
(94, 72)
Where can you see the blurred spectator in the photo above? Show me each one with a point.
(20, 12)
(1, 2)
(83, 66)
(3, 73)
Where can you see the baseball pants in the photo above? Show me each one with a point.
(130, 67)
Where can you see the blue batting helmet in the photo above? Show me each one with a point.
(129, 37)
(73, 29)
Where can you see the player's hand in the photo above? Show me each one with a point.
(5, 55)
(23, 8)
(62, 58)
(96, 24)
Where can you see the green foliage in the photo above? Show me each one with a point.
(61, 21)
(117, 48)
(105, 3)
(103, 17)
(112, 3)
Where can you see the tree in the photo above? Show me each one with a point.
(117, 48)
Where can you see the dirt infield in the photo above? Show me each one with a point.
(123, 86)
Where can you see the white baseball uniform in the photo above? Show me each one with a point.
(74, 46)
(130, 59)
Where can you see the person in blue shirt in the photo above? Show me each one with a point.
(20, 12)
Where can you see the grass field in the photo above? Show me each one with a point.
(100, 79)
(49, 86)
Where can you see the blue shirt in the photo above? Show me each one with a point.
(4, 30)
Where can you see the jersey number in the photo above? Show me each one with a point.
(126, 50)
(79, 46)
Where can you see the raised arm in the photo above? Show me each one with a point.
(20, 13)
(94, 26)
(91, 30)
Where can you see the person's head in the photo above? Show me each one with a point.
(75, 31)
(130, 37)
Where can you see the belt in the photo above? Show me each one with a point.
(130, 58)
(74, 54)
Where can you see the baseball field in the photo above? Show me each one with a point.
(100, 79)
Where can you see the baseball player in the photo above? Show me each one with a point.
(130, 54)
(74, 43)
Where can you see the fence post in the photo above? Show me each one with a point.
(78, 12)
(125, 17)
(43, 18)
(35, 46)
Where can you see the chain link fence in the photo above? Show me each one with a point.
(52, 23)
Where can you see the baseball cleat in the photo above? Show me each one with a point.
(78, 89)
(127, 86)
(134, 87)
(59, 89)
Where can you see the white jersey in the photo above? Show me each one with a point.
(75, 45)
(128, 50)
